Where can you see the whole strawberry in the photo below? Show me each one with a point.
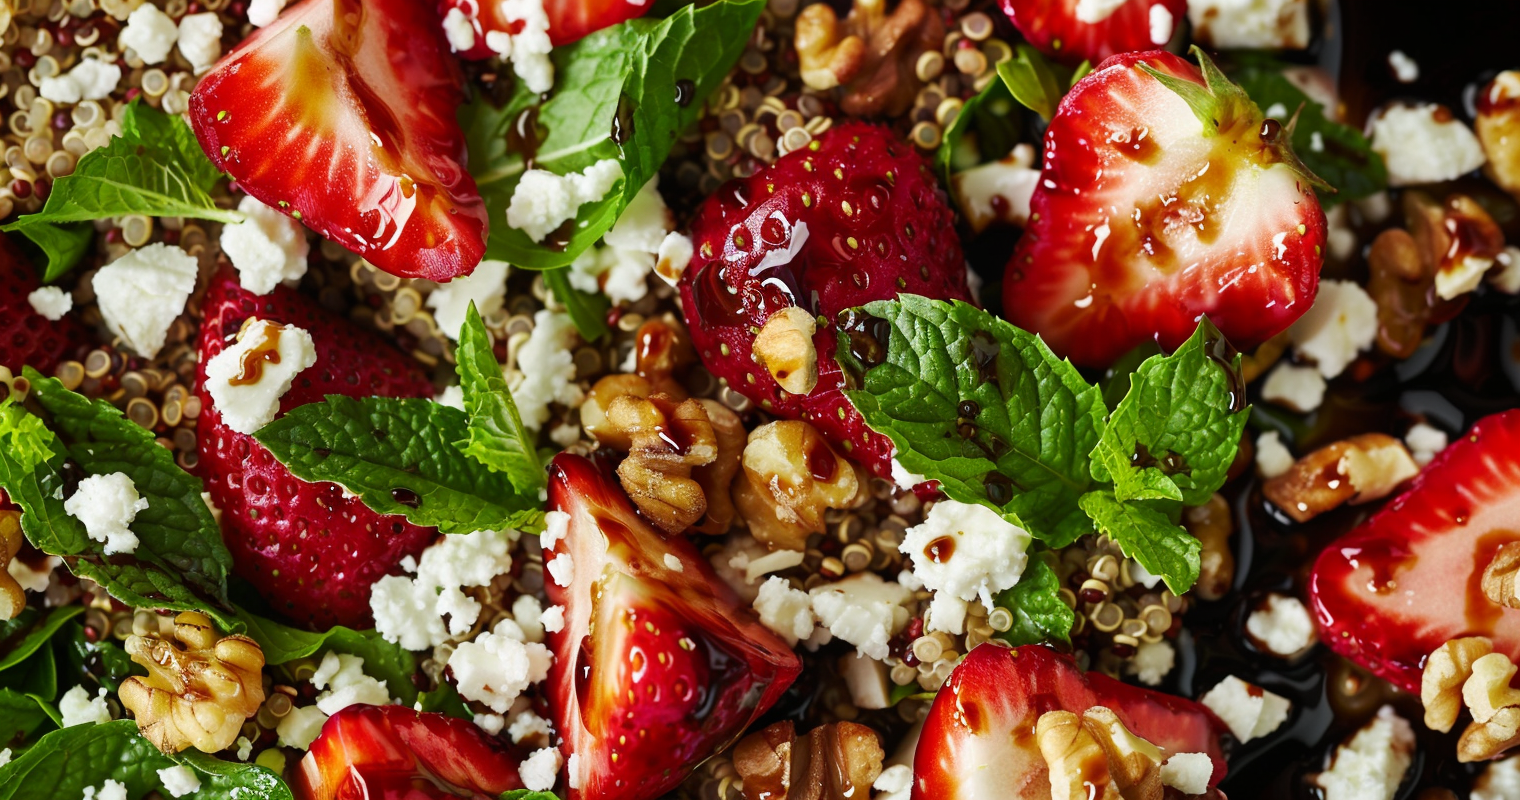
(309, 550)
(854, 217)
(26, 337)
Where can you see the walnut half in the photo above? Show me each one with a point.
(665, 441)
(198, 691)
(1095, 757)
(873, 55)
(837, 761)
(1356, 470)
(791, 476)
(1446, 670)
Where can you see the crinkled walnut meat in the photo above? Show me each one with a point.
(1095, 757)
(12, 598)
(1446, 670)
(785, 348)
(1356, 470)
(872, 55)
(1499, 577)
(198, 690)
(837, 761)
(717, 477)
(665, 441)
(791, 477)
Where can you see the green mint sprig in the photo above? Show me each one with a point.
(497, 437)
(21, 714)
(1039, 613)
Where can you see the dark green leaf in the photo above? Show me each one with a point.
(1147, 534)
(30, 631)
(20, 715)
(37, 675)
(525, 794)
(1034, 81)
(111, 664)
(1039, 614)
(587, 311)
(388, 662)
(497, 437)
(62, 245)
(233, 780)
(985, 128)
(446, 700)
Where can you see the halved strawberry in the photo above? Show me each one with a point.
(569, 20)
(341, 114)
(1165, 196)
(854, 218)
(26, 337)
(396, 753)
(1410, 578)
(309, 549)
(1073, 31)
(979, 742)
(659, 666)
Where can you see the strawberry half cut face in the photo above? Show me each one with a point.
(396, 753)
(342, 114)
(1073, 31)
(1409, 579)
(1146, 217)
(658, 666)
(979, 739)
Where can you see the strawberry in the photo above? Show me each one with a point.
(853, 218)
(26, 337)
(658, 666)
(1073, 31)
(396, 753)
(1165, 196)
(569, 20)
(308, 549)
(1410, 578)
(978, 740)
(341, 114)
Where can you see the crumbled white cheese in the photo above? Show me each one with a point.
(33, 580)
(1095, 11)
(1141, 575)
(673, 257)
(1507, 277)
(343, 678)
(301, 727)
(1250, 711)
(621, 266)
(1283, 626)
(967, 551)
(1188, 773)
(904, 479)
(496, 667)
(529, 48)
(1272, 456)
(894, 783)
(1339, 236)
(1372, 763)
(1162, 23)
(1152, 662)
(788, 612)
(545, 369)
(200, 39)
(412, 611)
(486, 287)
(90, 79)
(1299, 388)
(106, 506)
(267, 248)
(5, 756)
(528, 725)
(1251, 24)
(263, 12)
(451, 396)
(143, 292)
(110, 790)
(1341, 323)
(529, 615)
(863, 610)
(77, 707)
(946, 613)
(540, 770)
(150, 33)
(1424, 143)
(1425, 442)
(1500, 781)
(51, 302)
(459, 29)
(248, 406)
(562, 569)
(998, 190)
(1405, 69)
(179, 780)
(492, 724)
(556, 527)
(543, 201)
(553, 619)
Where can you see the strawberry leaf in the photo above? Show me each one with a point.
(1035, 82)
(497, 437)
(388, 662)
(398, 455)
(1039, 613)
(1149, 536)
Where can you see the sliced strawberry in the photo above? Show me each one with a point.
(658, 666)
(341, 114)
(26, 337)
(1410, 578)
(1073, 31)
(311, 551)
(396, 753)
(855, 218)
(1145, 219)
(569, 20)
(979, 742)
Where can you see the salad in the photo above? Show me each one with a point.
(761, 399)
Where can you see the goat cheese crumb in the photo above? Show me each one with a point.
(528, 613)
(998, 190)
(1095, 11)
(1152, 662)
(1371, 764)
(1250, 711)
(144, 291)
(528, 725)
(150, 33)
(90, 79)
(342, 675)
(788, 612)
(1163, 24)
(1251, 24)
(267, 247)
(486, 287)
(110, 790)
(967, 551)
(490, 723)
(179, 780)
(545, 369)
(673, 257)
(540, 770)
(459, 29)
(1341, 323)
(411, 611)
(77, 707)
(863, 610)
(51, 302)
(1500, 781)
(894, 783)
(1188, 773)
(562, 569)
(1405, 69)
(1272, 456)
(1299, 388)
(904, 479)
(1425, 442)
(106, 506)
(245, 407)
(1282, 626)
(529, 48)
(301, 727)
(556, 526)
(263, 12)
(630, 250)
(496, 667)
(554, 619)
(200, 39)
(1424, 143)
(543, 201)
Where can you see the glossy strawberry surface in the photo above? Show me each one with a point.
(26, 337)
(1058, 28)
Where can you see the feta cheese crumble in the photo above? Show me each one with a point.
(267, 248)
(78, 708)
(106, 506)
(1188, 773)
(1500, 781)
(540, 770)
(1272, 456)
(263, 12)
(486, 287)
(529, 48)
(301, 727)
(863, 610)
(1371, 764)
(200, 39)
(343, 678)
(788, 612)
(629, 252)
(51, 302)
(545, 369)
(562, 569)
(894, 783)
(904, 479)
(459, 29)
(143, 292)
(411, 611)
(1299, 388)
(1250, 711)
(998, 190)
(179, 780)
(1095, 11)
(1425, 442)
(528, 725)
(1163, 24)
(5, 756)
(1341, 323)
(1152, 662)
(90, 79)
(553, 619)
(496, 667)
(150, 33)
(1405, 69)
(274, 355)
(543, 201)
(1282, 626)
(1251, 24)
(967, 551)
(1424, 143)
(110, 790)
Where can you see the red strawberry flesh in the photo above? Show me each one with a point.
(1055, 28)
(26, 337)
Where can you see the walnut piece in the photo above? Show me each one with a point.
(1499, 584)
(1211, 524)
(197, 692)
(12, 597)
(791, 476)
(837, 761)
(1356, 470)
(594, 409)
(1094, 757)
(1448, 667)
(1487, 690)
(872, 55)
(1498, 128)
(663, 349)
(666, 440)
(1483, 741)
(717, 477)
(785, 348)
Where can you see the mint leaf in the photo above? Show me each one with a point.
(111, 664)
(985, 128)
(398, 455)
(588, 312)
(981, 406)
(31, 630)
(1147, 535)
(233, 780)
(528, 794)
(37, 675)
(445, 700)
(388, 662)
(627, 73)
(1039, 614)
(62, 245)
(1115, 383)
(1034, 81)
(497, 437)
(21, 714)
(1175, 434)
